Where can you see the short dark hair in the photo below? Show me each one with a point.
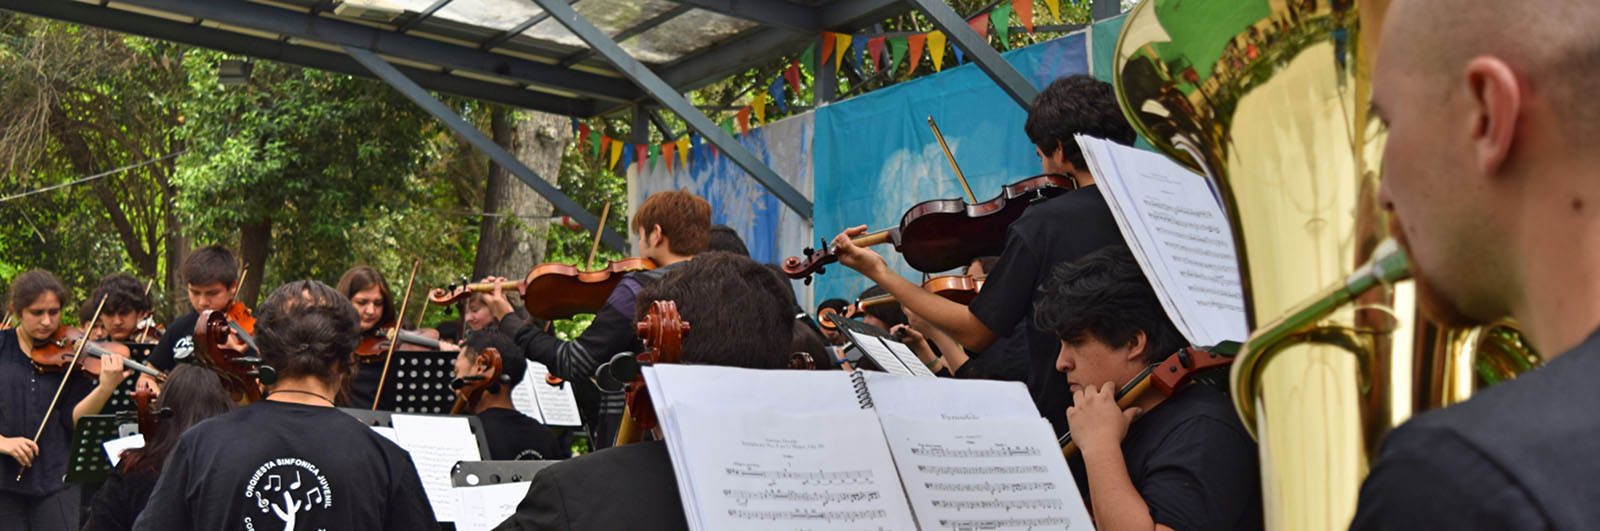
(1076, 104)
(735, 307)
(1105, 296)
(359, 278)
(29, 286)
(307, 329)
(890, 312)
(512, 362)
(209, 265)
(123, 294)
(685, 220)
(724, 238)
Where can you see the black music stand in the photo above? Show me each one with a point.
(386, 419)
(480, 473)
(852, 328)
(422, 381)
(88, 462)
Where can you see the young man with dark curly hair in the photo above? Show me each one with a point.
(1052, 232)
(1186, 462)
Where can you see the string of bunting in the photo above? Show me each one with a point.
(894, 50)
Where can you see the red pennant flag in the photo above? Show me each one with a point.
(639, 151)
(792, 75)
(1025, 12)
(827, 47)
(743, 119)
(980, 24)
(916, 50)
(583, 135)
(875, 49)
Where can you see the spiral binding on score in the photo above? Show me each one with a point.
(859, 381)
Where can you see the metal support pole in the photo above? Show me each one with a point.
(979, 51)
(664, 93)
(389, 74)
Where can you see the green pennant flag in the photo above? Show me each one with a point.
(1001, 18)
(727, 126)
(594, 143)
(897, 51)
(807, 57)
(655, 155)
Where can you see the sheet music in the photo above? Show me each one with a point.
(879, 352)
(115, 447)
(484, 507)
(755, 470)
(822, 391)
(549, 404)
(985, 474)
(1176, 227)
(935, 398)
(909, 358)
(435, 445)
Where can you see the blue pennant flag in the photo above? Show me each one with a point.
(859, 43)
(776, 90)
(574, 126)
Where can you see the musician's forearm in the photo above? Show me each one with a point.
(950, 316)
(92, 404)
(1117, 504)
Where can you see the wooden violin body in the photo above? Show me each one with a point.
(57, 353)
(237, 369)
(553, 291)
(944, 234)
(142, 401)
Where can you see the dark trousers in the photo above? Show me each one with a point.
(57, 511)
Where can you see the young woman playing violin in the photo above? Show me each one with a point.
(374, 303)
(42, 403)
(191, 394)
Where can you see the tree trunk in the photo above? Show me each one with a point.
(254, 240)
(512, 242)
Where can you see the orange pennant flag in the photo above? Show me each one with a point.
(666, 154)
(936, 49)
(841, 43)
(915, 42)
(1053, 5)
(1024, 10)
(743, 119)
(827, 47)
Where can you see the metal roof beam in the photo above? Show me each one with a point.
(738, 53)
(975, 48)
(332, 31)
(777, 13)
(504, 158)
(629, 33)
(412, 23)
(216, 39)
(670, 97)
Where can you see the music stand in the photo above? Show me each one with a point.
(480, 473)
(88, 462)
(385, 419)
(422, 381)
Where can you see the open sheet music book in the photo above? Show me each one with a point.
(860, 450)
(551, 405)
(1173, 221)
(887, 354)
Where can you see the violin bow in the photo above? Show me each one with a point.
(146, 332)
(394, 338)
(952, 159)
(67, 375)
(604, 212)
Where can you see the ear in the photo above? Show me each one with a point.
(657, 236)
(1497, 100)
(1137, 346)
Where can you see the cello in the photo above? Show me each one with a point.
(470, 388)
(237, 368)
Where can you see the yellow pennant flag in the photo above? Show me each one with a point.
(841, 41)
(758, 105)
(616, 153)
(936, 49)
(1055, 9)
(683, 151)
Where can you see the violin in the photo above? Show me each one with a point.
(1167, 377)
(374, 345)
(959, 288)
(57, 352)
(943, 234)
(237, 369)
(470, 388)
(553, 291)
(147, 331)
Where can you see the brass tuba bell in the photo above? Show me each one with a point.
(1269, 99)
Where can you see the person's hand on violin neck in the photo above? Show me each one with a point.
(111, 372)
(866, 261)
(952, 317)
(496, 300)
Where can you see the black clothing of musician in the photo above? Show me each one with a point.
(1192, 462)
(585, 492)
(1518, 455)
(26, 393)
(364, 386)
(272, 464)
(1057, 231)
(123, 495)
(514, 436)
(176, 343)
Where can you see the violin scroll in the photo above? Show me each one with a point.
(469, 389)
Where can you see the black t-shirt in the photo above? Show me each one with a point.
(1007, 358)
(176, 343)
(1192, 462)
(364, 387)
(276, 465)
(120, 500)
(514, 436)
(1059, 230)
(25, 394)
(1524, 454)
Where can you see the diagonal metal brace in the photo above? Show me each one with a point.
(669, 97)
(389, 74)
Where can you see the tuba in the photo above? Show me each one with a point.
(1269, 99)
